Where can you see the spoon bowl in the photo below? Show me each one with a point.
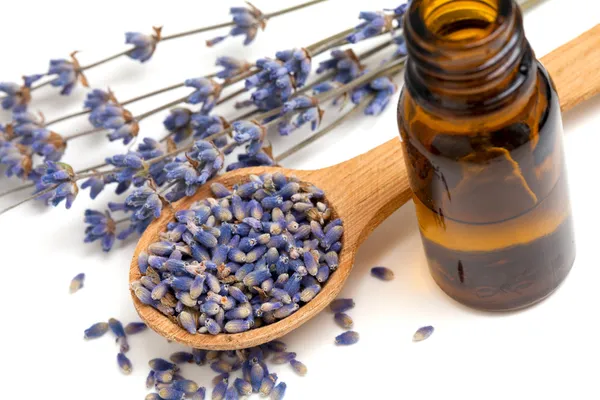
(362, 192)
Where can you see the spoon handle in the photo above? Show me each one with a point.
(372, 186)
(575, 68)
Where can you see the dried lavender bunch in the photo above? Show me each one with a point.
(248, 258)
(65, 73)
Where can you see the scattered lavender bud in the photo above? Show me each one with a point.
(124, 363)
(152, 396)
(231, 394)
(150, 380)
(218, 392)
(135, 327)
(341, 305)
(221, 367)
(279, 391)
(77, 283)
(199, 395)
(243, 387)
(422, 333)
(169, 393)
(283, 357)
(343, 320)
(267, 384)
(347, 338)
(186, 386)
(95, 331)
(298, 367)
(116, 328)
(383, 273)
(159, 364)
(182, 357)
(164, 376)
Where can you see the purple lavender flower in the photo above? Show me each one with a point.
(345, 65)
(48, 144)
(375, 23)
(207, 125)
(232, 67)
(101, 227)
(273, 84)
(17, 97)
(118, 120)
(97, 98)
(247, 21)
(130, 165)
(67, 74)
(249, 132)
(207, 93)
(306, 109)
(381, 88)
(298, 63)
(144, 204)
(178, 123)
(63, 177)
(24, 125)
(143, 45)
(31, 79)
(257, 160)
(17, 159)
(188, 172)
(401, 10)
(96, 185)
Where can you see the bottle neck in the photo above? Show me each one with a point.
(467, 57)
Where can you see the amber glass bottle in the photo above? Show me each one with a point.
(482, 138)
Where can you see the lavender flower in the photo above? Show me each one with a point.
(131, 166)
(247, 21)
(67, 74)
(207, 93)
(257, 160)
(63, 177)
(298, 64)
(307, 110)
(207, 125)
(232, 67)
(97, 98)
(23, 126)
(249, 132)
(345, 64)
(144, 204)
(17, 159)
(118, 120)
(381, 88)
(188, 172)
(96, 184)
(374, 24)
(143, 45)
(48, 144)
(101, 227)
(178, 123)
(17, 97)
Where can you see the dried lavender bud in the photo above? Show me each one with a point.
(283, 357)
(383, 273)
(343, 320)
(124, 363)
(164, 376)
(152, 396)
(116, 328)
(257, 373)
(159, 364)
(279, 391)
(341, 305)
(237, 326)
(135, 327)
(182, 357)
(243, 387)
(95, 331)
(298, 367)
(77, 283)
(218, 392)
(169, 393)
(150, 380)
(347, 338)
(186, 386)
(231, 394)
(199, 395)
(422, 333)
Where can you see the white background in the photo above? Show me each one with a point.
(549, 351)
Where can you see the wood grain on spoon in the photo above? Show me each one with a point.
(363, 191)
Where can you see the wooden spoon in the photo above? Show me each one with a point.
(363, 191)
